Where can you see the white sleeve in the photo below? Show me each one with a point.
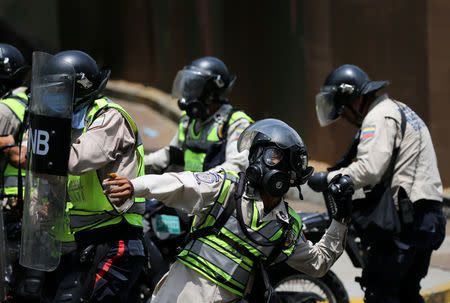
(190, 192)
(315, 260)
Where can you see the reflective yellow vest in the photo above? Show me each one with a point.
(219, 256)
(89, 208)
(18, 104)
(196, 146)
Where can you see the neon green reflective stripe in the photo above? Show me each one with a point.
(181, 134)
(12, 190)
(219, 245)
(201, 266)
(254, 224)
(193, 161)
(191, 128)
(276, 235)
(208, 221)
(233, 237)
(233, 174)
(17, 107)
(22, 95)
(209, 276)
(67, 235)
(224, 191)
(295, 216)
(213, 134)
(239, 115)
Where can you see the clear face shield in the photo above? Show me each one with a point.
(189, 84)
(326, 110)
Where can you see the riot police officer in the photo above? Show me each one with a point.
(13, 105)
(14, 99)
(393, 148)
(103, 251)
(209, 126)
(242, 223)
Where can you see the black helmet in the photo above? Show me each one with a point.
(202, 82)
(13, 68)
(278, 156)
(342, 85)
(90, 81)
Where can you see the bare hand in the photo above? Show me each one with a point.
(6, 140)
(15, 159)
(118, 187)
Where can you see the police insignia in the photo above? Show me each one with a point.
(290, 238)
(206, 178)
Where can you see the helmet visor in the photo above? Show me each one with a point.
(189, 84)
(325, 108)
(269, 131)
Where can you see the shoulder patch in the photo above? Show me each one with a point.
(238, 132)
(368, 131)
(206, 177)
(290, 238)
(97, 122)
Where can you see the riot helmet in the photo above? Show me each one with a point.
(341, 86)
(90, 80)
(13, 68)
(201, 83)
(278, 158)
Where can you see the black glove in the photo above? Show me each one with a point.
(318, 181)
(342, 189)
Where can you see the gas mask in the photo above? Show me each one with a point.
(194, 108)
(268, 168)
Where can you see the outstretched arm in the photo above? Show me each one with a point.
(188, 191)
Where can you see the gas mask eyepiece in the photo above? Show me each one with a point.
(268, 170)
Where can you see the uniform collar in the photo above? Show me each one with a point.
(378, 100)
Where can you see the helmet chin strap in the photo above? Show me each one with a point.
(358, 114)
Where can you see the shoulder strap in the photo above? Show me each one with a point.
(221, 220)
(226, 123)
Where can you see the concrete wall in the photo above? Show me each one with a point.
(281, 51)
(405, 42)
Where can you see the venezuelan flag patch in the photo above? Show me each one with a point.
(238, 132)
(368, 132)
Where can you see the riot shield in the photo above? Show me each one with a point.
(49, 138)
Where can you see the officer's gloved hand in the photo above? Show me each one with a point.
(342, 189)
(318, 181)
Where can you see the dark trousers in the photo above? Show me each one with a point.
(108, 275)
(394, 271)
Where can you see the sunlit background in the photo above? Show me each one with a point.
(281, 51)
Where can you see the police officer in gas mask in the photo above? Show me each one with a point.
(392, 149)
(209, 126)
(102, 247)
(242, 222)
